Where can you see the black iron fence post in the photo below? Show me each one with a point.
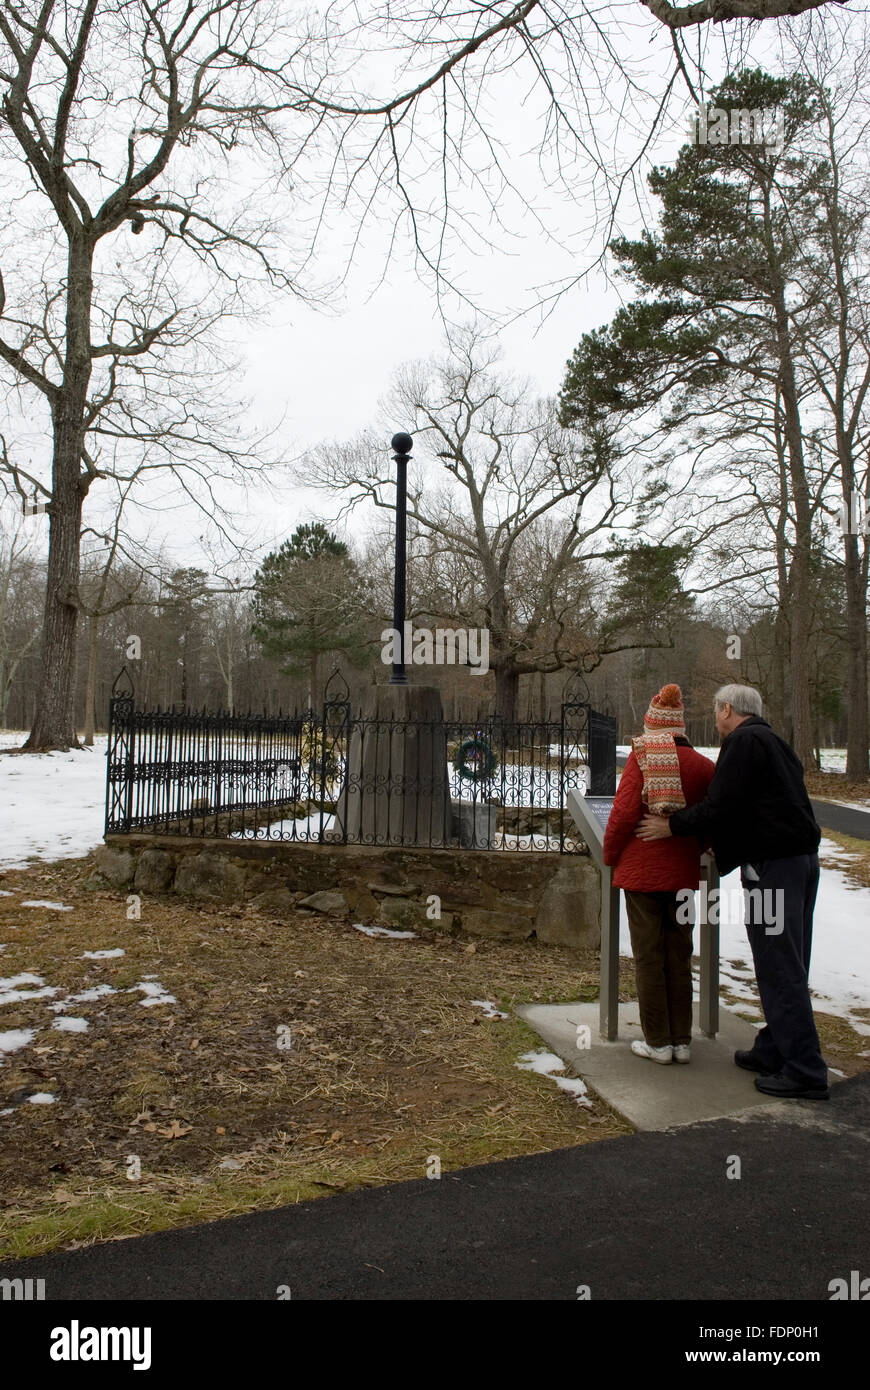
(120, 763)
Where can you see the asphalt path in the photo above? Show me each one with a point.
(647, 1216)
(842, 818)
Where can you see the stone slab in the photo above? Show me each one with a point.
(652, 1096)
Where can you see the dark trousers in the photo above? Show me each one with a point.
(779, 924)
(662, 949)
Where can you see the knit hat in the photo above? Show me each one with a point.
(656, 752)
(666, 712)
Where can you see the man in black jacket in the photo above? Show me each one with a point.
(757, 814)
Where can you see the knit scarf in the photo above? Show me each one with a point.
(660, 766)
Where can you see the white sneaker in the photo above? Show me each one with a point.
(682, 1052)
(655, 1054)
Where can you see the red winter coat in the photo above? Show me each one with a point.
(654, 866)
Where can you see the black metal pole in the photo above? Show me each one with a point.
(401, 446)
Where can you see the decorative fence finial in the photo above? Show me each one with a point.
(119, 693)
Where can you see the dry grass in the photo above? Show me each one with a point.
(389, 1062)
(854, 863)
(834, 786)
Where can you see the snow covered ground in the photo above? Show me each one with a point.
(53, 803)
(833, 759)
(53, 807)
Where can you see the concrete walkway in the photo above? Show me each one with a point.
(649, 1095)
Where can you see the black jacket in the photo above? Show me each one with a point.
(756, 806)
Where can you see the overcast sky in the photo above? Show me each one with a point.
(324, 371)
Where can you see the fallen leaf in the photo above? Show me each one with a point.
(334, 1137)
(219, 1129)
(299, 974)
(175, 1131)
(194, 1042)
(68, 1199)
(274, 1066)
(470, 949)
(150, 1128)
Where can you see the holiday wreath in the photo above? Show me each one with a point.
(474, 760)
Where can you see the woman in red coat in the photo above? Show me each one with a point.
(663, 773)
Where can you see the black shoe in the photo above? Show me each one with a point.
(780, 1086)
(749, 1062)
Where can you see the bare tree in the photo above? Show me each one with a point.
(722, 11)
(20, 583)
(126, 118)
(506, 528)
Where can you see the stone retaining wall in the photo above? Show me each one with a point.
(504, 895)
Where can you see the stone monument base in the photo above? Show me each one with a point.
(397, 789)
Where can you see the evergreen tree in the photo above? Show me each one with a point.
(309, 600)
(720, 308)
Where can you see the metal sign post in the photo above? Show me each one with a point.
(591, 814)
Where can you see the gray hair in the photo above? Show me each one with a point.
(743, 699)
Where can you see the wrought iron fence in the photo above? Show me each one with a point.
(332, 776)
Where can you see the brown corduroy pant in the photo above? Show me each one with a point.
(662, 949)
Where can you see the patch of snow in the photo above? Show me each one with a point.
(154, 994)
(383, 931)
(12, 993)
(542, 1062)
(5, 893)
(103, 955)
(545, 1064)
(489, 1009)
(43, 902)
(574, 1087)
(42, 1098)
(71, 1025)
(85, 996)
(8, 1111)
(13, 1038)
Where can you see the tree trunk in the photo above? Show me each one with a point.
(857, 732)
(780, 716)
(231, 694)
(506, 686)
(91, 682)
(54, 721)
(799, 576)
